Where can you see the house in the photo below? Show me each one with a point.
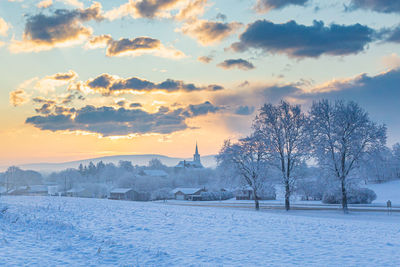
(188, 193)
(37, 190)
(123, 194)
(52, 190)
(19, 191)
(129, 194)
(246, 193)
(78, 192)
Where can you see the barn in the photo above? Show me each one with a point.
(123, 194)
(188, 193)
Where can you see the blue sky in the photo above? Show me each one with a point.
(185, 70)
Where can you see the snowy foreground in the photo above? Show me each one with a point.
(49, 231)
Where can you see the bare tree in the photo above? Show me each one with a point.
(247, 158)
(342, 134)
(284, 130)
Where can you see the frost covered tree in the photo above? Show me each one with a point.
(284, 130)
(342, 134)
(247, 157)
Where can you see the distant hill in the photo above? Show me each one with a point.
(141, 160)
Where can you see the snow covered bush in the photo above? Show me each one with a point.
(354, 196)
(267, 192)
(161, 194)
(222, 195)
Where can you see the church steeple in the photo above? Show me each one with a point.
(196, 156)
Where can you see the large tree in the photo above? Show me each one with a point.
(247, 158)
(284, 131)
(342, 133)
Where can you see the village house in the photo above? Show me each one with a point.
(123, 194)
(188, 193)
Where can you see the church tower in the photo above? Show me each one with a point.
(196, 156)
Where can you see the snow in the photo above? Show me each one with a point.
(159, 173)
(386, 191)
(186, 191)
(49, 231)
(120, 190)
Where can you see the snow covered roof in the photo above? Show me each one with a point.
(155, 173)
(75, 190)
(38, 188)
(186, 191)
(120, 190)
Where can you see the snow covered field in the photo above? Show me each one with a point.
(49, 231)
(384, 192)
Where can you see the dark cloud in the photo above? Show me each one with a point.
(391, 35)
(109, 121)
(135, 105)
(305, 41)
(201, 109)
(64, 76)
(267, 5)
(102, 81)
(221, 16)
(149, 8)
(121, 103)
(236, 63)
(123, 45)
(205, 59)
(383, 6)
(133, 47)
(42, 100)
(107, 84)
(63, 27)
(45, 109)
(244, 110)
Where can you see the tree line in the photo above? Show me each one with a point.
(336, 135)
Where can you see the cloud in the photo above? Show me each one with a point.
(205, 59)
(201, 109)
(45, 4)
(100, 41)
(110, 121)
(133, 47)
(301, 41)
(146, 9)
(135, 105)
(4, 27)
(209, 32)
(236, 63)
(267, 5)
(107, 84)
(244, 110)
(75, 3)
(383, 6)
(391, 61)
(192, 10)
(50, 83)
(140, 46)
(18, 97)
(391, 35)
(61, 29)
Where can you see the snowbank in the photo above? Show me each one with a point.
(386, 191)
(49, 231)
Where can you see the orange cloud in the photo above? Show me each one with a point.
(209, 32)
(4, 27)
(18, 97)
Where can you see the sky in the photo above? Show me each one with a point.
(82, 79)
